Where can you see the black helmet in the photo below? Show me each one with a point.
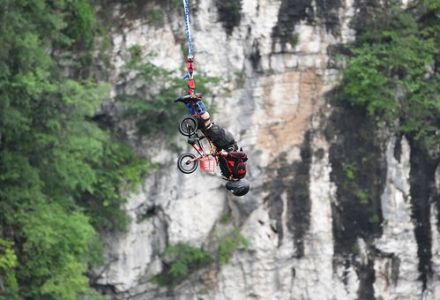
(238, 187)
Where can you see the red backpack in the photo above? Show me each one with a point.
(237, 164)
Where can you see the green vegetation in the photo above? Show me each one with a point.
(226, 218)
(183, 260)
(8, 261)
(61, 175)
(81, 20)
(153, 109)
(156, 17)
(229, 244)
(362, 197)
(351, 182)
(374, 219)
(393, 71)
(170, 4)
(350, 172)
(391, 85)
(294, 40)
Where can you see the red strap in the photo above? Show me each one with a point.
(191, 86)
(191, 67)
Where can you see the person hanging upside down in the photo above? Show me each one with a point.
(233, 166)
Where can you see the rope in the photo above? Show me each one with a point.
(188, 28)
(190, 65)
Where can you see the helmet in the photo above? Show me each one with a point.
(238, 187)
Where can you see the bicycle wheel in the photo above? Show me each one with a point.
(186, 164)
(188, 126)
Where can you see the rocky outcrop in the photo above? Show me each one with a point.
(339, 209)
(396, 248)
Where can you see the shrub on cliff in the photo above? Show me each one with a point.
(229, 244)
(393, 71)
(180, 261)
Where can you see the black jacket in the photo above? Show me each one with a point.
(221, 138)
(224, 140)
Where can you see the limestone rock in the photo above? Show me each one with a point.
(274, 98)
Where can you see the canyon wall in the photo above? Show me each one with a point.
(318, 227)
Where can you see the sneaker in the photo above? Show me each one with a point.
(184, 99)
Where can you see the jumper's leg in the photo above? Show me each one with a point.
(205, 120)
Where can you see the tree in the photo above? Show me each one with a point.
(61, 175)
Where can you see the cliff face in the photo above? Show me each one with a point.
(318, 226)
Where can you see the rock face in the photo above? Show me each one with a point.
(318, 228)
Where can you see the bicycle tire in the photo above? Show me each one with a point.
(188, 126)
(182, 163)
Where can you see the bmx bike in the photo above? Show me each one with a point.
(207, 155)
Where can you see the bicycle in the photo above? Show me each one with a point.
(188, 162)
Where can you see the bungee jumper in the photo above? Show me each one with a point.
(197, 126)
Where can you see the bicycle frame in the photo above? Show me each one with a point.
(202, 153)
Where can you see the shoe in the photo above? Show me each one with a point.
(188, 98)
(184, 99)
